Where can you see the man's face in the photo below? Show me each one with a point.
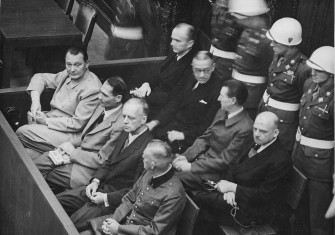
(279, 49)
(133, 117)
(202, 69)
(106, 97)
(180, 41)
(319, 76)
(225, 101)
(264, 131)
(75, 65)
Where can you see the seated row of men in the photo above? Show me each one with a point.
(86, 141)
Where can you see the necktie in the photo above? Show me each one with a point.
(280, 61)
(316, 92)
(195, 86)
(101, 118)
(126, 144)
(253, 150)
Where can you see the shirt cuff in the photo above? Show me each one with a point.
(106, 200)
(96, 180)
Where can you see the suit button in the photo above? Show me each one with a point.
(134, 215)
(142, 193)
(308, 107)
(304, 117)
(274, 74)
(139, 200)
(271, 84)
(281, 120)
(316, 155)
(131, 221)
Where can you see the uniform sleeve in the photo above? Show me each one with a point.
(237, 147)
(88, 101)
(151, 25)
(303, 73)
(166, 217)
(40, 81)
(93, 159)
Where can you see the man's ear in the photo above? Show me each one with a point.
(276, 133)
(234, 100)
(87, 63)
(118, 98)
(190, 43)
(144, 120)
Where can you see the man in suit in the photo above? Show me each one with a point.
(72, 105)
(188, 114)
(119, 172)
(161, 187)
(222, 144)
(88, 153)
(162, 87)
(253, 187)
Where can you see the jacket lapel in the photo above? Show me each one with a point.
(93, 119)
(107, 123)
(132, 148)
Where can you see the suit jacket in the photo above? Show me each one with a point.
(193, 110)
(170, 78)
(97, 143)
(223, 143)
(73, 102)
(119, 173)
(260, 182)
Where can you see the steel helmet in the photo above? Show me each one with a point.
(248, 8)
(286, 31)
(322, 59)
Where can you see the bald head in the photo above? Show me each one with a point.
(265, 128)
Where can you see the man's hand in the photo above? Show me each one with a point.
(230, 198)
(183, 166)
(225, 186)
(179, 158)
(67, 147)
(151, 125)
(110, 226)
(41, 118)
(97, 198)
(91, 189)
(35, 103)
(175, 135)
(143, 91)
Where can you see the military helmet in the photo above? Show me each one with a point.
(322, 59)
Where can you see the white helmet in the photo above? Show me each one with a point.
(322, 59)
(247, 8)
(286, 31)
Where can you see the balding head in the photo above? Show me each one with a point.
(182, 38)
(157, 156)
(265, 128)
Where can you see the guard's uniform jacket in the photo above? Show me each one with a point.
(313, 154)
(283, 93)
(225, 35)
(253, 59)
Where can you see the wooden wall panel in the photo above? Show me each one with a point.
(28, 205)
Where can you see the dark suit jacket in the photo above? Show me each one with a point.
(170, 78)
(122, 169)
(260, 181)
(192, 110)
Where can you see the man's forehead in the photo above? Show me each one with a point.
(201, 63)
(71, 57)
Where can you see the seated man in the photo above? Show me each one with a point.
(72, 105)
(170, 78)
(117, 175)
(253, 189)
(86, 154)
(158, 188)
(224, 142)
(189, 113)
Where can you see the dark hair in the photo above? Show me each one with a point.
(236, 89)
(77, 50)
(119, 87)
(142, 102)
(189, 30)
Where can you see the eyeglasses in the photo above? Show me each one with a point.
(206, 70)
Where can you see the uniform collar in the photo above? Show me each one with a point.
(159, 180)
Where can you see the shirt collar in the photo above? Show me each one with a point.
(266, 145)
(182, 54)
(162, 178)
(131, 137)
(111, 111)
(234, 113)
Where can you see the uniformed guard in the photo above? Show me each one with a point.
(314, 150)
(287, 74)
(225, 35)
(254, 53)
